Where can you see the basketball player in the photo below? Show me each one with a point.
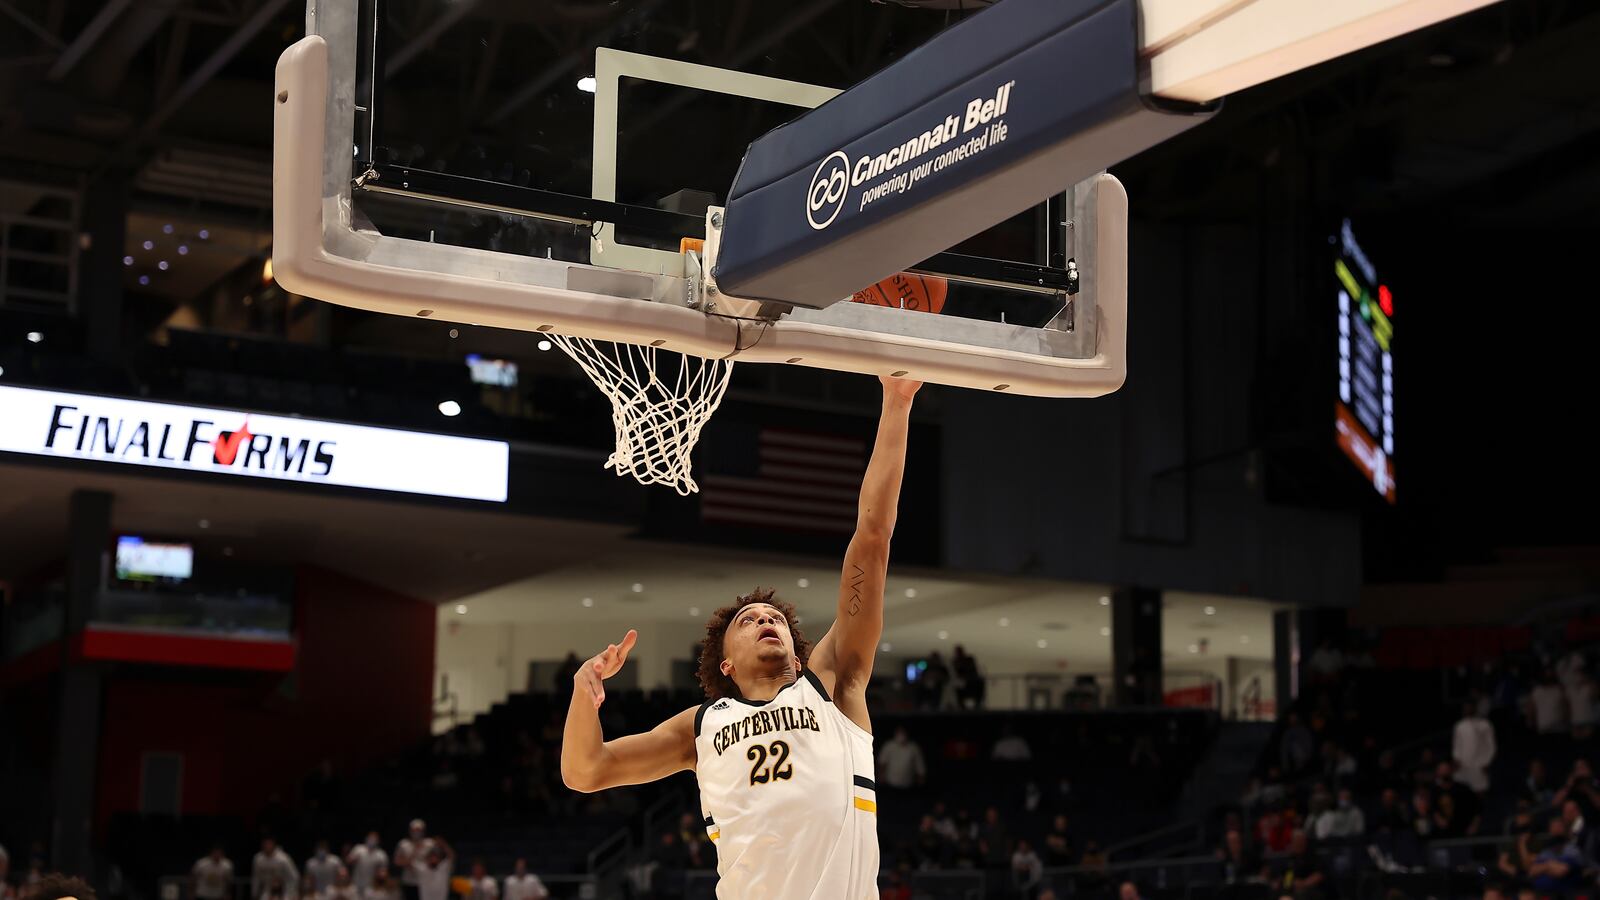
(782, 747)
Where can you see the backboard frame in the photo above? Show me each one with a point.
(324, 248)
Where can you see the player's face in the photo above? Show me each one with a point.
(758, 638)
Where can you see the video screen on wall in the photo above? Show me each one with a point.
(1364, 410)
(142, 560)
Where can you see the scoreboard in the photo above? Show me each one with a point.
(1364, 410)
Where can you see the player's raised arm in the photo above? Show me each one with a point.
(591, 763)
(843, 658)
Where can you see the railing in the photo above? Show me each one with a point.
(1182, 834)
(608, 862)
(561, 887)
(1082, 691)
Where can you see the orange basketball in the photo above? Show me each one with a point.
(923, 293)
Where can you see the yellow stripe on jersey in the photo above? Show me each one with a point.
(716, 834)
(865, 804)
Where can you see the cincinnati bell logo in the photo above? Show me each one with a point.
(196, 443)
(829, 186)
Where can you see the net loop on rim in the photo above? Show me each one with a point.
(658, 415)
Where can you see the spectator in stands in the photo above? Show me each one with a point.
(896, 888)
(566, 672)
(1572, 820)
(669, 853)
(1582, 787)
(994, 841)
(1010, 747)
(1275, 830)
(212, 876)
(1466, 807)
(935, 678)
(1391, 815)
(384, 887)
(412, 849)
(900, 763)
(1581, 706)
(1045, 894)
(1345, 820)
(1128, 891)
(1558, 867)
(1473, 748)
(482, 887)
(1536, 787)
(434, 870)
(1299, 875)
(1094, 857)
(1326, 663)
(323, 867)
(1296, 747)
(1058, 844)
(1493, 891)
(524, 885)
(969, 685)
(1548, 705)
(343, 888)
(1422, 821)
(273, 872)
(1027, 870)
(1240, 864)
(942, 821)
(365, 861)
(933, 850)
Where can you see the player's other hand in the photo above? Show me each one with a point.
(901, 388)
(608, 662)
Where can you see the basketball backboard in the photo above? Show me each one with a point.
(536, 167)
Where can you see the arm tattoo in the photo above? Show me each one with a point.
(855, 588)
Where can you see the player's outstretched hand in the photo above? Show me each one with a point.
(603, 665)
(899, 387)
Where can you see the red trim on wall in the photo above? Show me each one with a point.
(164, 648)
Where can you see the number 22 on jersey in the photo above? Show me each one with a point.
(781, 768)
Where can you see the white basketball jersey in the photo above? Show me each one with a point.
(787, 793)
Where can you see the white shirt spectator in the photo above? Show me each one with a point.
(1341, 822)
(1011, 748)
(900, 763)
(338, 892)
(1327, 660)
(213, 878)
(1580, 701)
(364, 862)
(1549, 708)
(275, 870)
(1026, 867)
(408, 854)
(323, 869)
(1571, 668)
(433, 882)
(484, 888)
(1473, 749)
(525, 887)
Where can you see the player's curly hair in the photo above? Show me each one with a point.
(718, 685)
(56, 886)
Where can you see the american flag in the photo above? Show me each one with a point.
(801, 481)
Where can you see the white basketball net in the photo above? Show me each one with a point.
(658, 420)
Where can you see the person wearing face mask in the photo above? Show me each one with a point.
(1345, 820)
(365, 860)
